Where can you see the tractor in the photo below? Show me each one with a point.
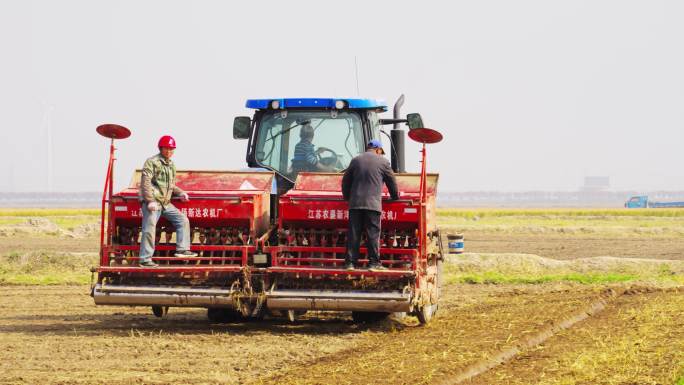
(271, 238)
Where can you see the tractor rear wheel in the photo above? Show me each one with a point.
(160, 311)
(361, 317)
(223, 315)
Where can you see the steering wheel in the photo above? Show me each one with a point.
(333, 160)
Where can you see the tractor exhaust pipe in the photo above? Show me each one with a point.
(397, 138)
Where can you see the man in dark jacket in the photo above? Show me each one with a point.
(362, 188)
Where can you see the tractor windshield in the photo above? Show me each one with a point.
(321, 141)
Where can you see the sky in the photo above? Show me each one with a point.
(530, 95)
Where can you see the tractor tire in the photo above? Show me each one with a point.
(223, 315)
(160, 311)
(362, 317)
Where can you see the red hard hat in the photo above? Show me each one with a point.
(167, 141)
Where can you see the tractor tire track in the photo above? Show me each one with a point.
(458, 344)
(529, 342)
(637, 339)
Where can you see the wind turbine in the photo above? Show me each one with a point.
(47, 123)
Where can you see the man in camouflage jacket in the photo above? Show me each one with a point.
(157, 186)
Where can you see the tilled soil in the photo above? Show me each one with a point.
(637, 339)
(463, 334)
(567, 246)
(572, 246)
(56, 335)
(48, 243)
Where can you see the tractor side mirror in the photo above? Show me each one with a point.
(414, 121)
(241, 126)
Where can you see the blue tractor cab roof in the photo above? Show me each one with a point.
(338, 103)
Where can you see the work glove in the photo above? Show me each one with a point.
(185, 197)
(153, 206)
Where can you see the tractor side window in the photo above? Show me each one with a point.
(374, 124)
(269, 143)
(316, 141)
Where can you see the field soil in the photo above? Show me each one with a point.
(44, 243)
(633, 332)
(572, 246)
(54, 334)
(639, 327)
(550, 246)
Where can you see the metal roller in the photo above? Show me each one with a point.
(164, 296)
(338, 300)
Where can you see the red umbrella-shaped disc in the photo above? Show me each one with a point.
(425, 135)
(113, 131)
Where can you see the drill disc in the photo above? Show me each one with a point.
(425, 135)
(113, 131)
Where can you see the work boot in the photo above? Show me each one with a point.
(148, 263)
(349, 266)
(185, 253)
(376, 267)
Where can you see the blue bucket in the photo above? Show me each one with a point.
(456, 243)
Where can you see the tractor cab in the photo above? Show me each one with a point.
(294, 135)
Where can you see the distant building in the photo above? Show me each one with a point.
(596, 183)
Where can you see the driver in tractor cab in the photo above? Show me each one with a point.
(157, 186)
(305, 157)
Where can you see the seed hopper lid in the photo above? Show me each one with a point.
(425, 135)
(113, 131)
